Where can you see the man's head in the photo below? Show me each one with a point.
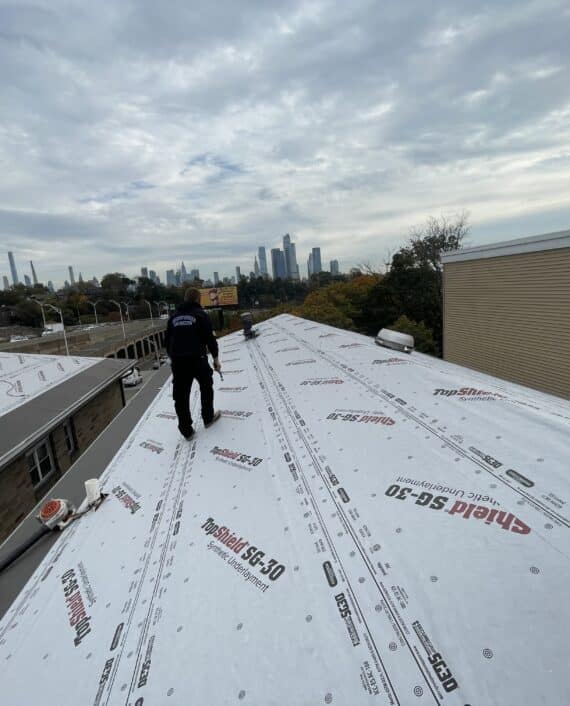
(192, 295)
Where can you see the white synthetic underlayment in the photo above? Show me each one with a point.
(402, 538)
(24, 376)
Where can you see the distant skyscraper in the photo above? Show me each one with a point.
(278, 263)
(144, 271)
(51, 287)
(95, 282)
(6, 283)
(317, 266)
(170, 278)
(262, 261)
(183, 273)
(27, 281)
(255, 268)
(81, 277)
(153, 276)
(238, 274)
(310, 268)
(34, 276)
(66, 284)
(71, 276)
(216, 279)
(290, 254)
(13, 268)
(335, 268)
(194, 275)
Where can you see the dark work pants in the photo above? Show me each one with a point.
(184, 372)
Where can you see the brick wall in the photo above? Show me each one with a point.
(17, 494)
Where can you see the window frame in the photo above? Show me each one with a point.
(33, 453)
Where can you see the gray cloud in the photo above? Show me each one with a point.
(131, 135)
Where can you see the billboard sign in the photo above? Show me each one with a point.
(218, 296)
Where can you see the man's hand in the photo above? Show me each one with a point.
(217, 365)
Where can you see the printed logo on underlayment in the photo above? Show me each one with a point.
(231, 547)
(348, 415)
(469, 394)
(76, 611)
(126, 499)
(235, 413)
(351, 345)
(460, 508)
(232, 389)
(391, 361)
(166, 415)
(322, 381)
(235, 457)
(153, 446)
(287, 350)
(305, 361)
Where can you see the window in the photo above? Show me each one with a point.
(69, 432)
(40, 462)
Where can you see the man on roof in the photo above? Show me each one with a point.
(189, 338)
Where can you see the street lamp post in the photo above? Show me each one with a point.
(152, 325)
(42, 308)
(127, 310)
(121, 313)
(60, 312)
(94, 305)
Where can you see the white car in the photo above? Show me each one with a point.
(133, 379)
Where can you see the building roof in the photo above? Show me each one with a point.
(24, 376)
(521, 246)
(40, 391)
(360, 522)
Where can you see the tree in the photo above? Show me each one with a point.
(114, 285)
(437, 236)
(413, 285)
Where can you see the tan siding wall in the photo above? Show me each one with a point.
(510, 317)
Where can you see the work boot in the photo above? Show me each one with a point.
(215, 418)
(187, 434)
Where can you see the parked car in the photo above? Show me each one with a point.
(133, 379)
(156, 365)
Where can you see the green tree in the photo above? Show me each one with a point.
(423, 336)
(413, 284)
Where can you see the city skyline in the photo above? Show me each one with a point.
(289, 264)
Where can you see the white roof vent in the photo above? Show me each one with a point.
(395, 340)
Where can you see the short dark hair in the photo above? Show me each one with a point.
(192, 295)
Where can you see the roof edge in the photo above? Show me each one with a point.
(40, 432)
(520, 246)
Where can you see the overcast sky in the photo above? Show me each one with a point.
(140, 133)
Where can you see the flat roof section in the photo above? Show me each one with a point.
(23, 376)
(520, 246)
(28, 422)
(361, 525)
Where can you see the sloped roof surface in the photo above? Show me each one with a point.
(24, 376)
(360, 527)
